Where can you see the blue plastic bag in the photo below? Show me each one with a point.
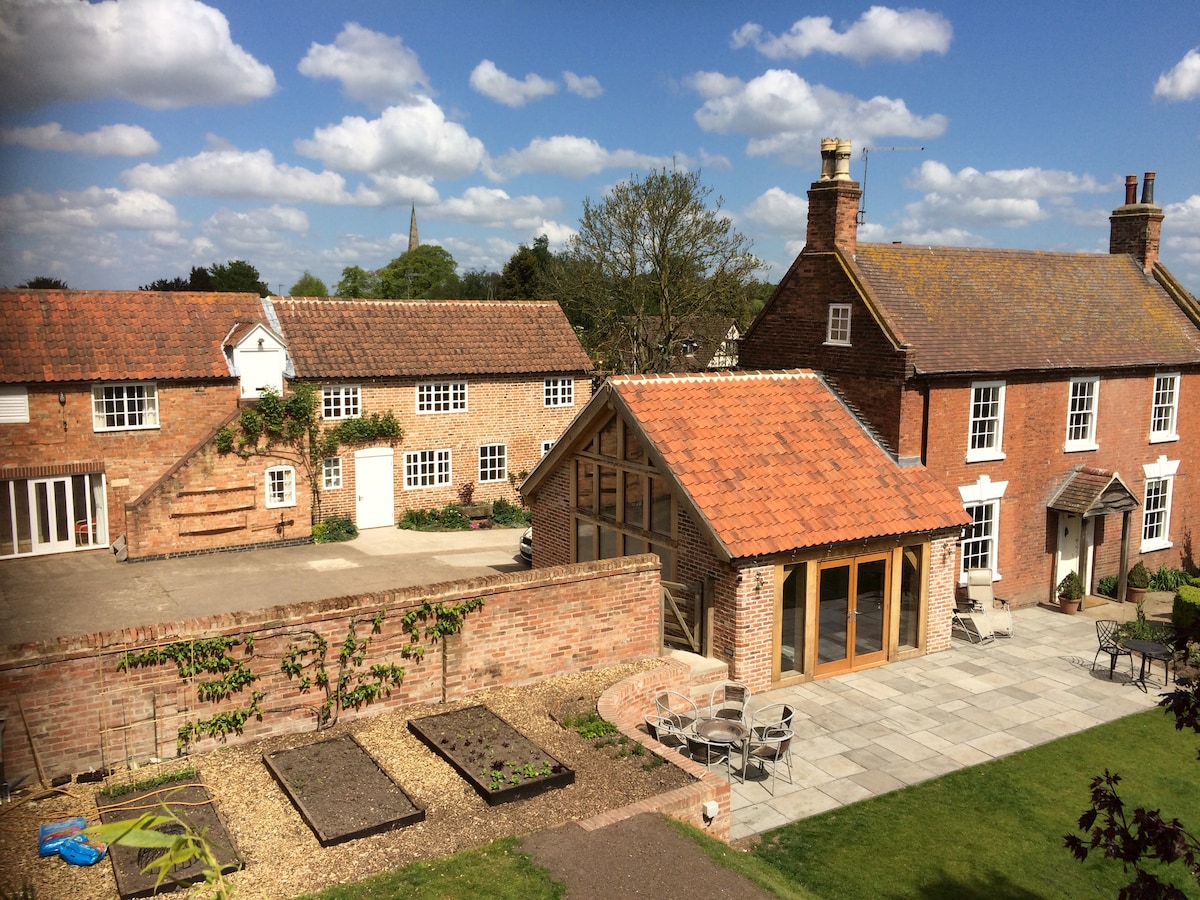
(66, 839)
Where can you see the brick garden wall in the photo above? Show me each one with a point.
(84, 713)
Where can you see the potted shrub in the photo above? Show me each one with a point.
(1070, 593)
(1137, 582)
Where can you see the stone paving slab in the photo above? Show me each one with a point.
(867, 733)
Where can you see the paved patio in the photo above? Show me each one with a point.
(871, 732)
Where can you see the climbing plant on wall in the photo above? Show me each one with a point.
(290, 429)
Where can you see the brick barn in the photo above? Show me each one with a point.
(793, 546)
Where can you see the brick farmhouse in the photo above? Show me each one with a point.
(110, 403)
(1049, 391)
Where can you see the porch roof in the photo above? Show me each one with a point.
(773, 462)
(1089, 491)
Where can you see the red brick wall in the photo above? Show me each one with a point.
(501, 410)
(790, 333)
(131, 460)
(85, 713)
(1035, 466)
(211, 500)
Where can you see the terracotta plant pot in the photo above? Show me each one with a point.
(1134, 594)
(1069, 606)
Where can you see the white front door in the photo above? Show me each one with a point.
(374, 480)
(1074, 552)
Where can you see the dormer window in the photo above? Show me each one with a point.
(838, 328)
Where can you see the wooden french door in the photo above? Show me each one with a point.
(852, 614)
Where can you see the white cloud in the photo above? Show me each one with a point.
(493, 208)
(786, 115)
(390, 189)
(265, 226)
(1183, 81)
(584, 85)
(108, 140)
(778, 211)
(880, 32)
(490, 81)
(1002, 183)
(1010, 198)
(372, 67)
(239, 174)
(48, 215)
(163, 54)
(414, 140)
(572, 156)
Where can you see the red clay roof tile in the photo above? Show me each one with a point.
(380, 338)
(60, 336)
(774, 462)
(971, 310)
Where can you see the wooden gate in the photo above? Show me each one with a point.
(682, 617)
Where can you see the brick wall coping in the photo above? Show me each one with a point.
(15, 656)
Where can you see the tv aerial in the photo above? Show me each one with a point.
(866, 157)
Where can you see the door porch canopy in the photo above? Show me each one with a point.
(1089, 492)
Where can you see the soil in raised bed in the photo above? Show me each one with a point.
(191, 802)
(497, 760)
(340, 791)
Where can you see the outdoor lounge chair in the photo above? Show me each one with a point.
(980, 595)
(1106, 634)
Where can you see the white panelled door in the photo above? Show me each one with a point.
(374, 479)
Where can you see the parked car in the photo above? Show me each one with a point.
(527, 546)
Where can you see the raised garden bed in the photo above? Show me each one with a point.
(340, 791)
(497, 760)
(191, 803)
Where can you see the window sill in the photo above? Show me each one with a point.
(985, 456)
(1080, 447)
(1151, 546)
(836, 344)
(1163, 438)
(281, 505)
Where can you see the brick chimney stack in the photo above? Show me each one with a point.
(1137, 227)
(833, 201)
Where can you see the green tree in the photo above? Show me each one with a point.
(650, 261)
(358, 282)
(426, 271)
(478, 284)
(45, 283)
(237, 276)
(309, 285)
(526, 274)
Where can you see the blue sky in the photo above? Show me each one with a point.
(141, 137)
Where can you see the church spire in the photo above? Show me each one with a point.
(413, 240)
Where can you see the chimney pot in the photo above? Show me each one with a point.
(828, 161)
(1130, 189)
(842, 170)
(1148, 188)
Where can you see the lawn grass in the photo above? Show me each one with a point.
(996, 830)
(497, 870)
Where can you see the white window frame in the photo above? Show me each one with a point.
(547, 446)
(1081, 419)
(493, 463)
(837, 325)
(985, 412)
(14, 404)
(558, 392)
(427, 468)
(107, 403)
(983, 493)
(1164, 408)
(434, 397)
(331, 468)
(1156, 503)
(280, 484)
(341, 401)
